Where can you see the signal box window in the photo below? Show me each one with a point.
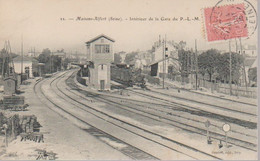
(102, 49)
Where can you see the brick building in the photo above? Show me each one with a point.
(100, 55)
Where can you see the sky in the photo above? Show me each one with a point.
(39, 23)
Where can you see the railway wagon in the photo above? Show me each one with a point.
(127, 75)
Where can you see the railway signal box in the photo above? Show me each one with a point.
(100, 53)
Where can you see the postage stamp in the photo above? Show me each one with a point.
(228, 20)
(225, 22)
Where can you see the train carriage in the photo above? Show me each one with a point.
(127, 75)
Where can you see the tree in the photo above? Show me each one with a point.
(66, 62)
(183, 60)
(252, 74)
(130, 58)
(44, 56)
(214, 63)
(208, 62)
(223, 66)
(52, 62)
(117, 58)
(181, 45)
(46, 51)
(187, 62)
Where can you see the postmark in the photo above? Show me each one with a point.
(230, 19)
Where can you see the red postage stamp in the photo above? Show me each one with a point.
(225, 22)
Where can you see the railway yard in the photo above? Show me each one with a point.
(129, 80)
(135, 123)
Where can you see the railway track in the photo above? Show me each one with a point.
(202, 112)
(242, 143)
(253, 145)
(127, 149)
(169, 111)
(231, 100)
(203, 103)
(101, 135)
(186, 108)
(180, 107)
(141, 130)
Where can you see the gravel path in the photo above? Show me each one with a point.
(61, 137)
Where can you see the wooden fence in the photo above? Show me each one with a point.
(250, 92)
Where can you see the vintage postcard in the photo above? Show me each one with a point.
(128, 80)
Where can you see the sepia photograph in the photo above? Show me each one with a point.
(128, 80)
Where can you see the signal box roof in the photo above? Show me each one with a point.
(102, 35)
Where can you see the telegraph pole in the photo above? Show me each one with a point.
(51, 62)
(196, 61)
(236, 45)
(22, 60)
(244, 70)
(163, 47)
(230, 67)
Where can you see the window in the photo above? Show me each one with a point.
(107, 49)
(27, 69)
(102, 49)
(102, 67)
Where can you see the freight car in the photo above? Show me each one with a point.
(127, 75)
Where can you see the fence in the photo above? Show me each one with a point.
(250, 92)
(152, 80)
(178, 78)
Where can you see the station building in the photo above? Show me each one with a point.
(100, 55)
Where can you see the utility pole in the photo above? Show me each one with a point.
(236, 45)
(188, 68)
(5, 127)
(192, 73)
(244, 69)
(22, 60)
(196, 61)
(230, 67)
(236, 57)
(163, 47)
(51, 62)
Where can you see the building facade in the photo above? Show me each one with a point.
(30, 65)
(250, 50)
(157, 53)
(169, 65)
(164, 60)
(100, 54)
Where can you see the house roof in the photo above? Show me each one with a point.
(249, 62)
(25, 58)
(254, 64)
(154, 62)
(102, 35)
(249, 47)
